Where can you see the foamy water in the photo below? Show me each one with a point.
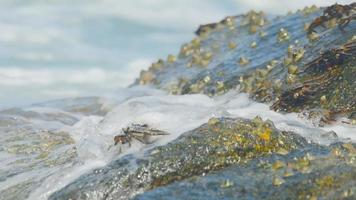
(93, 134)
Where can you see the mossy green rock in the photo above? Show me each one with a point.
(213, 146)
(311, 173)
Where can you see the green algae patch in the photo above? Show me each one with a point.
(314, 172)
(218, 144)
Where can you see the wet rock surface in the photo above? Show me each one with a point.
(275, 60)
(311, 173)
(213, 146)
(29, 153)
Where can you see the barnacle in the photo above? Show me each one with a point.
(254, 20)
(157, 65)
(253, 44)
(171, 58)
(232, 45)
(146, 77)
(262, 34)
(277, 181)
(292, 69)
(283, 35)
(243, 61)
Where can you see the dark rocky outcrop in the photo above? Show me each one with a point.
(275, 60)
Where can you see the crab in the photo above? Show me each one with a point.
(140, 132)
(336, 11)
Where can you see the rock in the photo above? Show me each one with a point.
(213, 146)
(296, 81)
(324, 175)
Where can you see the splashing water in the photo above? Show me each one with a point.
(88, 125)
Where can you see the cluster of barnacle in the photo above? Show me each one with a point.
(148, 76)
(327, 71)
(336, 14)
(259, 84)
(207, 86)
(202, 57)
(254, 20)
(197, 55)
(283, 35)
(309, 9)
(294, 55)
(199, 85)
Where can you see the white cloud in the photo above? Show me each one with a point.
(283, 6)
(188, 14)
(20, 77)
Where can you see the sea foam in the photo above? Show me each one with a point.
(94, 135)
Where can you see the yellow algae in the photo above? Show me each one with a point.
(326, 181)
(266, 135)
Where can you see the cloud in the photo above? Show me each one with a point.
(188, 14)
(283, 6)
(19, 77)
